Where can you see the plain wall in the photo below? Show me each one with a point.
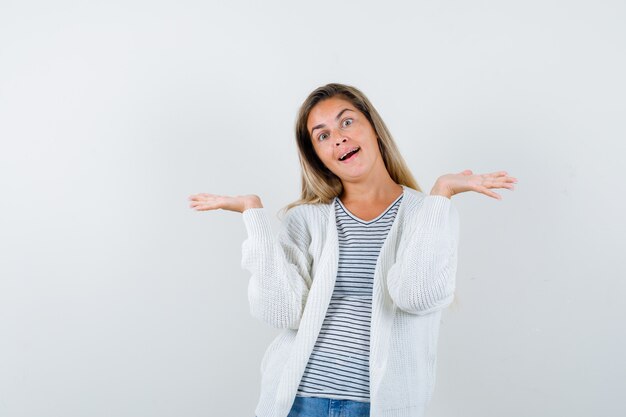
(117, 299)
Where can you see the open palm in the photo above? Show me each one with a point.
(481, 183)
(239, 203)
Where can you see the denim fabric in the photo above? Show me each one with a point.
(326, 407)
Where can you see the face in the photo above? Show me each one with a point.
(336, 128)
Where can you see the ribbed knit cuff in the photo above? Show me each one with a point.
(436, 209)
(256, 221)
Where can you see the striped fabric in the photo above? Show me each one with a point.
(338, 367)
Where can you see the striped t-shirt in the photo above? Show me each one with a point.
(338, 367)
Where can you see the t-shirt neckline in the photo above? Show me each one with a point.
(348, 212)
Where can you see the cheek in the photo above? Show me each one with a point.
(323, 153)
(371, 133)
(327, 159)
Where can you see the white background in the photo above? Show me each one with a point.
(117, 299)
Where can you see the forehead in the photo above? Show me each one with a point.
(326, 110)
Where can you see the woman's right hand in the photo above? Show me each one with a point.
(239, 203)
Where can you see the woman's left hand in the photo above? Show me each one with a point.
(451, 184)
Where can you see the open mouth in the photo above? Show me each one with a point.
(349, 154)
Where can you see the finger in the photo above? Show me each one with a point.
(206, 201)
(500, 184)
(489, 193)
(494, 175)
(508, 179)
(204, 207)
(201, 203)
(200, 196)
(489, 181)
(206, 198)
(502, 180)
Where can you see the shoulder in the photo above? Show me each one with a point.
(413, 198)
(418, 201)
(307, 215)
(307, 210)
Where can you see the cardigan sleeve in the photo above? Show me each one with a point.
(280, 267)
(423, 278)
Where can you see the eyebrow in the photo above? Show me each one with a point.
(336, 118)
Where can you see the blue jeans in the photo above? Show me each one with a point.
(326, 407)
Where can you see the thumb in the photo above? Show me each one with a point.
(467, 172)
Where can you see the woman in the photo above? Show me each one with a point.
(360, 272)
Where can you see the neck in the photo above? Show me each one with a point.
(378, 187)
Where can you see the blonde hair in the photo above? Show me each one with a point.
(319, 184)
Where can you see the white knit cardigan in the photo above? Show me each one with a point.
(293, 277)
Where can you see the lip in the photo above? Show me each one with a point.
(356, 155)
(347, 151)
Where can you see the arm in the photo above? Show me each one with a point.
(423, 278)
(280, 268)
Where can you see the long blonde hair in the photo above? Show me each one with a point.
(319, 184)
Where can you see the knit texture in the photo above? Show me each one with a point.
(292, 280)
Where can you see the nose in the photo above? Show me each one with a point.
(339, 138)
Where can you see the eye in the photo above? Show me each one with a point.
(347, 122)
(322, 136)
